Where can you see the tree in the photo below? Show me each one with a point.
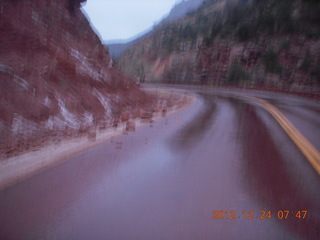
(271, 62)
(237, 74)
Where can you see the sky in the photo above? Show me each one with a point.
(115, 20)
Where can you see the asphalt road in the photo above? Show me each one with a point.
(222, 168)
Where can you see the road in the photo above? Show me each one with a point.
(222, 168)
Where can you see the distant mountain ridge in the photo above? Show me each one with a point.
(116, 49)
(179, 10)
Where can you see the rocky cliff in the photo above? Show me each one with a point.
(268, 44)
(56, 78)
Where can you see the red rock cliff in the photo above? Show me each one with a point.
(55, 75)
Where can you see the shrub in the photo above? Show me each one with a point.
(245, 32)
(237, 74)
(315, 71)
(305, 66)
(215, 29)
(207, 41)
(271, 62)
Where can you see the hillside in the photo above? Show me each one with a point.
(273, 44)
(116, 49)
(56, 77)
(182, 8)
(179, 10)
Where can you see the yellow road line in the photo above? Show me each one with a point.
(309, 151)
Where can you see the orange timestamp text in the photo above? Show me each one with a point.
(281, 214)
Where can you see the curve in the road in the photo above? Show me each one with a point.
(309, 151)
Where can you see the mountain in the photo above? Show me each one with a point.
(116, 49)
(252, 43)
(179, 10)
(56, 78)
(182, 8)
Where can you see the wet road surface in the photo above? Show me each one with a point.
(222, 168)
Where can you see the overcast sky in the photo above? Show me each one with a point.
(124, 19)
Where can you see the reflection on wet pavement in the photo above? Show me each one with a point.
(197, 127)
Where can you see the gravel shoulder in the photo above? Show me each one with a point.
(22, 166)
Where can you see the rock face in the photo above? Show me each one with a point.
(55, 75)
(274, 44)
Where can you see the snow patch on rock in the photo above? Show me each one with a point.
(23, 126)
(21, 82)
(5, 68)
(47, 102)
(70, 119)
(84, 67)
(55, 123)
(103, 100)
(88, 119)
